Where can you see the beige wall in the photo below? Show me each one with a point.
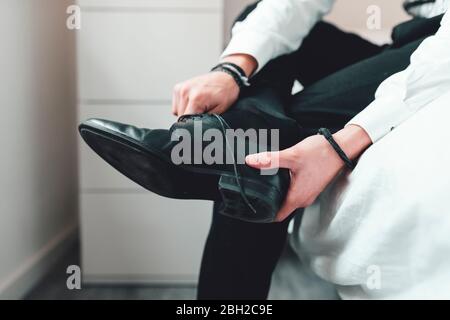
(352, 15)
(348, 14)
(232, 8)
(38, 185)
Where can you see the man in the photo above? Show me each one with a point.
(274, 43)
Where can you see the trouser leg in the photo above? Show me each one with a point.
(239, 258)
(333, 100)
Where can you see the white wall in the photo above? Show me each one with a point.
(38, 185)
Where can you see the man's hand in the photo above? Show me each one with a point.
(213, 92)
(313, 164)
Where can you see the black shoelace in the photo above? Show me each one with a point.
(224, 125)
(237, 176)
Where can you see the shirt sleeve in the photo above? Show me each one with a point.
(275, 28)
(403, 94)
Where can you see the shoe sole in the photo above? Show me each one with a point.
(154, 172)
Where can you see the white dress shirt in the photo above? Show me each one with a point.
(278, 27)
(382, 230)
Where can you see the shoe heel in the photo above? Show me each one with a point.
(264, 199)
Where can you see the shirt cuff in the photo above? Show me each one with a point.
(252, 43)
(381, 117)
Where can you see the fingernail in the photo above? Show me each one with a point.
(265, 159)
(251, 158)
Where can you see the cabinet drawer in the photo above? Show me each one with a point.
(142, 237)
(95, 174)
(140, 54)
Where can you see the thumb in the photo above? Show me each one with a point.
(268, 160)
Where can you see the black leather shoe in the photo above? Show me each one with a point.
(145, 156)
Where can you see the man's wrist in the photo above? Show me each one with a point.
(245, 61)
(235, 72)
(353, 140)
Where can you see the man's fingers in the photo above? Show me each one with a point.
(192, 108)
(269, 160)
(195, 103)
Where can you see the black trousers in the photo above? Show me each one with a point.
(340, 73)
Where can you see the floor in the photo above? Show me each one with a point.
(290, 281)
(53, 287)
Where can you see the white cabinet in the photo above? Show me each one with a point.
(141, 237)
(130, 54)
(140, 54)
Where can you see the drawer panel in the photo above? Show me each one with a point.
(142, 237)
(95, 174)
(141, 54)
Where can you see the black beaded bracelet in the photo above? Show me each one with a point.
(327, 134)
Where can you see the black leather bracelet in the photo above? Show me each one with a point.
(234, 65)
(235, 71)
(327, 134)
(236, 77)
